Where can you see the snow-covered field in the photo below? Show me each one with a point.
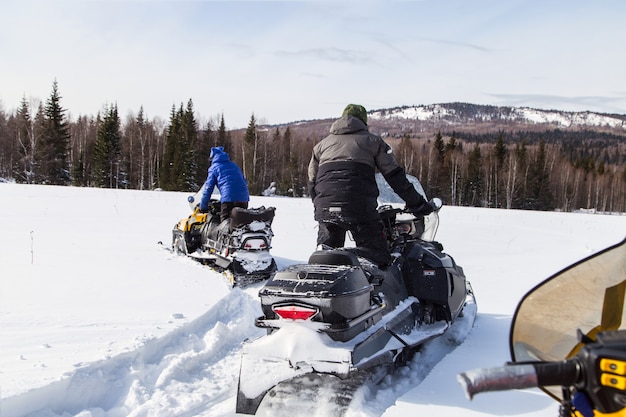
(98, 320)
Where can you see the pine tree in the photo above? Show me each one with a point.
(500, 150)
(440, 147)
(191, 165)
(39, 127)
(223, 139)
(250, 144)
(140, 123)
(55, 139)
(437, 171)
(171, 164)
(179, 171)
(107, 151)
(25, 138)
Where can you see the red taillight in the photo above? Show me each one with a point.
(403, 228)
(253, 244)
(293, 312)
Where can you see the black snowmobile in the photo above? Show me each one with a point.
(568, 337)
(239, 246)
(341, 315)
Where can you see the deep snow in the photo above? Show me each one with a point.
(98, 320)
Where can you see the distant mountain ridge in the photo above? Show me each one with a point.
(426, 120)
(466, 116)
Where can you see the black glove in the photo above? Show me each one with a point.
(203, 210)
(424, 209)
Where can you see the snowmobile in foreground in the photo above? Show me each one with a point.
(239, 246)
(568, 337)
(340, 315)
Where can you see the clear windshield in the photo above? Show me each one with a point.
(588, 295)
(386, 195)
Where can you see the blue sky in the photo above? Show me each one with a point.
(297, 60)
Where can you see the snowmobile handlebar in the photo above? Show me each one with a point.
(434, 203)
(596, 375)
(520, 376)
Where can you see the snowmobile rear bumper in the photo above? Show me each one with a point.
(294, 349)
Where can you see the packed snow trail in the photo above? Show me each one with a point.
(194, 371)
(191, 371)
(184, 380)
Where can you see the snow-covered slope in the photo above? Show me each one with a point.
(458, 113)
(98, 320)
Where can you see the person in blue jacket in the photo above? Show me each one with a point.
(227, 176)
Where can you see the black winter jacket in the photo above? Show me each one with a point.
(342, 172)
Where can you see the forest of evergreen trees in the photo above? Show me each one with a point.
(553, 170)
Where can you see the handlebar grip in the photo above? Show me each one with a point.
(519, 376)
(501, 378)
(557, 373)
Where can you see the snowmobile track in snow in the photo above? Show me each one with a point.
(313, 395)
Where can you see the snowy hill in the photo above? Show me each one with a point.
(452, 114)
(98, 320)
(426, 120)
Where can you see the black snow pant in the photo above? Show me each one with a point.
(368, 237)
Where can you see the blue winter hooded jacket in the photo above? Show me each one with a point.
(228, 178)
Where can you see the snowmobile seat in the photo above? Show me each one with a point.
(334, 257)
(240, 216)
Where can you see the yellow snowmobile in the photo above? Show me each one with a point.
(239, 246)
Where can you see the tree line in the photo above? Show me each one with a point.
(514, 170)
(516, 173)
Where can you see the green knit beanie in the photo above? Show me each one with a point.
(356, 110)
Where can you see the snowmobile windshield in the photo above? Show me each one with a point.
(587, 296)
(386, 195)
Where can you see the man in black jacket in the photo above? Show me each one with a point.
(342, 184)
